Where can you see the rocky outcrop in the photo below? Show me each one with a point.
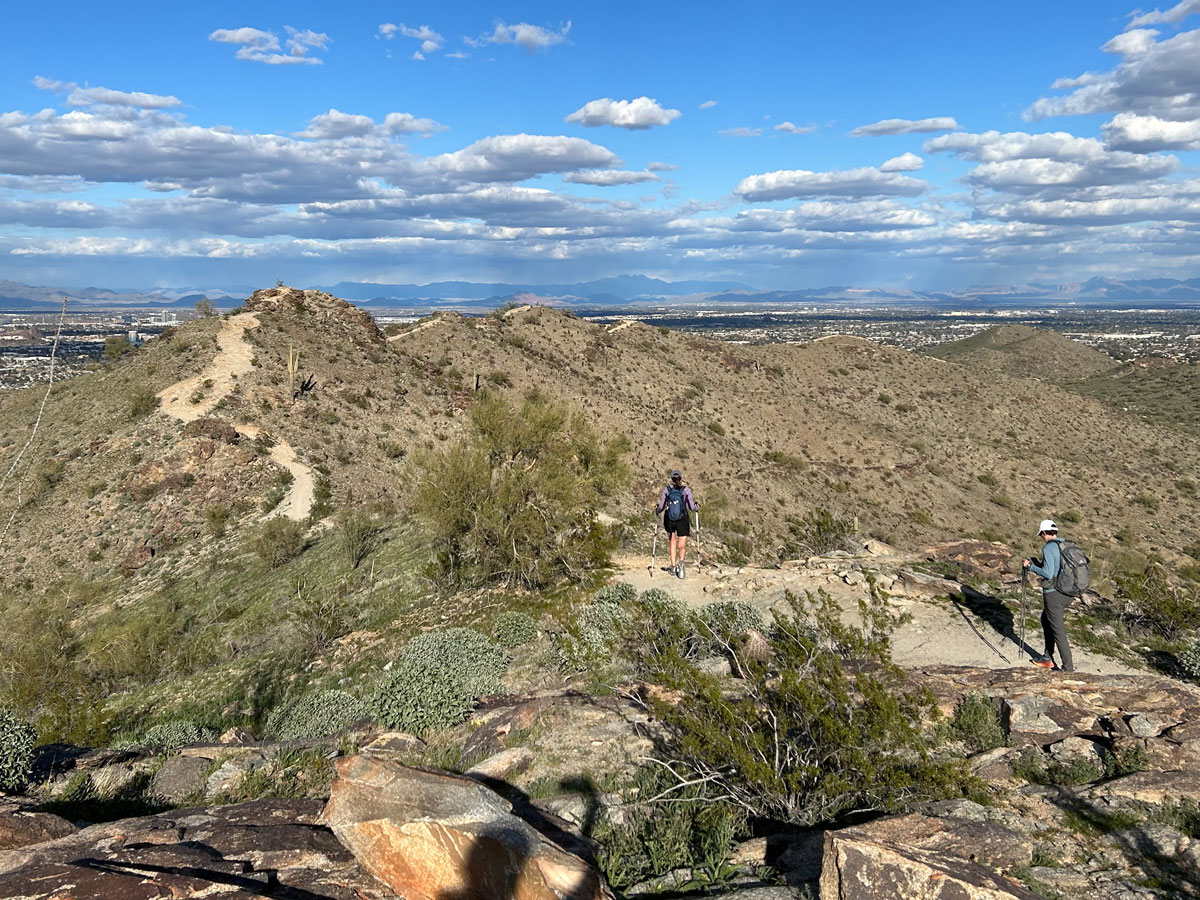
(263, 848)
(983, 559)
(22, 827)
(430, 835)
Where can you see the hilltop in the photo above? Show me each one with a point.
(1021, 351)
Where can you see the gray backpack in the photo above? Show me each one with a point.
(1074, 572)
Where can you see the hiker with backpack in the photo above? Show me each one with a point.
(674, 503)
(1065, 573)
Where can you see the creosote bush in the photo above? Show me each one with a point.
(17, 741)
(357, 533)
(437, 679)
(142, 402)
(976, 722)
(316, 715)
(825, 727)
(817, 533)
(1151, 600)
(170, 736)
(514, 501)
(277, 541)
(514, 629)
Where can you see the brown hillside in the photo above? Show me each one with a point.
(1021, 351)
(914, 447)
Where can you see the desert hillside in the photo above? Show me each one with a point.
(1025, 352)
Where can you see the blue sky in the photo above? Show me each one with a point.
(783, 145)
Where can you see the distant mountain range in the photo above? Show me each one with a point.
(634, 291)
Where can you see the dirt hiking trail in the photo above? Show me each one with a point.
(233, 360)
(940, 630)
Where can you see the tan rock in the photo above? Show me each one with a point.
(429, 835)
(1151, 787)
(237, 735)
(393, 743)
(503, 765)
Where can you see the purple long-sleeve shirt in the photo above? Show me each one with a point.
(688, 501)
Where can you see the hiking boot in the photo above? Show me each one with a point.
(682, 571)
(1044, 661)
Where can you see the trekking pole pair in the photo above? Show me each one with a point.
(654, 548)
(1024, 582)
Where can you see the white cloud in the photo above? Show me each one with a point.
(515, 157)
(662, 167)
(430, 40)
(636, 115)
(405, 123)
(531, 37)
(789, 128)
(740, 131)
(1145, 134)
(334, 125)
(865, 182)
(1154, 78)
(834, 215)
(905, 162)
(257, 45)
(906, 126)
(609, 178)
(1172, 16)
(94, 96)
(707, 104)
(387, 30)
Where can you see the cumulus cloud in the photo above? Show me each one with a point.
(515, 157)
(531, 37)
(405, 123)
(905, 162)
(906, 126)
(256, 45)
(635, 115)
(609, 178)
(789, 128)
(337, 125)
(865, 182)
(430, 39)
(1154, 78)
(662, 167)
(92, 96)
(834, 215)
(740, 131)
(707, 104)
(1172, 16)
(1146, 134)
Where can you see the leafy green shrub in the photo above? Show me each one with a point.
(976, 722)
(142, 402)
(316, 715)
(1151, 600)
(818, 533)
(827, 727)
(318, 615)
(513, 629)
(786, 460)
(1038, 767)
(116, 347)
(437, 679)
(672, 828)
(277, 541)
(515, 500)
(216, 519)
(357, 533)
(1189, 661)
(725, 623)
(169, 736)
(621, 593)
(17, 741)
(589, 640)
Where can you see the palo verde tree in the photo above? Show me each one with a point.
(514, 501)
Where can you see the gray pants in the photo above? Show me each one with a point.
(1053, 629)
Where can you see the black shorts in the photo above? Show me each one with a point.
(681, 527)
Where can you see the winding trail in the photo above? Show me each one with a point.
(232, 361)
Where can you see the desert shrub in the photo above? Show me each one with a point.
(620, 593)
(17, 740)
(976, 722)
(322, 497)
(724, 624)
(437, 679)
(826, 727)
(786, 460)
(44, 476)
(319, 617)
(216, 429)
(277, 541)
(885, 399)
(357, 533)
(1189, 661)
(142, 402)
(499, 379)
(716, 428)
(116, 347)
(514, 501)
(1151, 600)
(818, 533)
(513, 629)
(392, 449)
(1038, 767)
(316, 715)
(216, 519)
(668, 829)
(169, 736)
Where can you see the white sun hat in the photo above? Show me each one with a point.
(1047, 525)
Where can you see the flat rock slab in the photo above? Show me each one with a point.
(20, 828)
(180, 778)
(430, 835)
(1149, 787)
(262, 848)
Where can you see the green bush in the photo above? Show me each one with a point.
(316, 716)
(437, 679)
(216, 519)
(277, 541)
(716, 428)
(1038, 767)
(671, 828)
(514, 629)
(1151, 600)
(827, 727)
(976, 722)
(142, 402)
(724, 624)
(621, 593)
(116, 347)
(1189, 661)
(17, 741)
(357, 533)
(514, 501)
(818, 533)
(170, 736)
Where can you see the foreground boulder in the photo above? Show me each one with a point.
(431, 836)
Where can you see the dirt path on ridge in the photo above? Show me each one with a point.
(233, 360)
(940, 632)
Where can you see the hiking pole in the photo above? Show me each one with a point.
(653, 548)
(1024, 581)
(697, 542)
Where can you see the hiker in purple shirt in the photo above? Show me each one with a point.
(674, 502)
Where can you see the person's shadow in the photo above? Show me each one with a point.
(994, 613)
